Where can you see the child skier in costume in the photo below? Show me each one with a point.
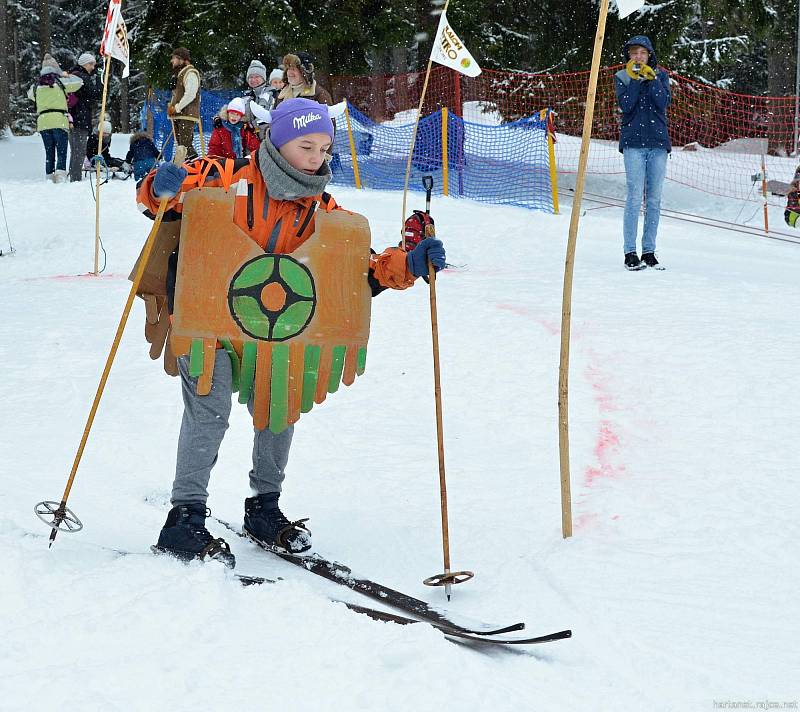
(232, 137)
(279, 188)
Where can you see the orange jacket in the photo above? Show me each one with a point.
(278, 226)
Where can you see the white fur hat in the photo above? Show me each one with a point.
(237, 105)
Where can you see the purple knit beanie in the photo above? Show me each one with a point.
(298, 117)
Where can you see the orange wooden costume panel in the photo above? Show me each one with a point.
(331, 270)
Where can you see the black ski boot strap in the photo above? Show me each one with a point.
(291, 528)
(213, 548)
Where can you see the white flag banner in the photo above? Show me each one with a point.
(626, 7)
(115, 36)
(451, 52)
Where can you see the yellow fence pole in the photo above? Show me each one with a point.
(551, 151)
(352, 147)
(445, 165)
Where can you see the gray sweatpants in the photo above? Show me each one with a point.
(205, 420)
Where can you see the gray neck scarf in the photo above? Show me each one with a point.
(287, 183)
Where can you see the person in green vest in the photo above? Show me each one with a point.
(51, 95)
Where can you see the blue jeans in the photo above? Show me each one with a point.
(645, 168)
(55, 140)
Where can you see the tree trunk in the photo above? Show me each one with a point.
(5, 108)
(16, 59)
(399, 60)
(124, 110)
(781, 60)
(377, 110)
(781, 63)
(149, 100)
(44, 26)
(322, 69)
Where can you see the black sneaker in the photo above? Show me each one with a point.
(264, 522)
(632, 262)
(185, 536)
(649, 259)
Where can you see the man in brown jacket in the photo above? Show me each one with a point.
(184, 107)
(298, 76)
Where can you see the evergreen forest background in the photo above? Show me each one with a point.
(747, 46)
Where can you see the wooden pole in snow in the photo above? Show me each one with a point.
(566, 304)
(97, 167)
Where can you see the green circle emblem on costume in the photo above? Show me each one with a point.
(272, 297)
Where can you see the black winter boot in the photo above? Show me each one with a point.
(264, 522)
(632, 261)
(649, 259)
(185, 536)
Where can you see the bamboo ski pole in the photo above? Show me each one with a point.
(448, 577)
(202, 142)
(97, 167)
(437, 395)
(566, 306)
(166, 142)
(60, 513)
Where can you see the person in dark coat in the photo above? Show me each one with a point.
(83, 112)
(643, 95)
(91, 147)
(141, 155)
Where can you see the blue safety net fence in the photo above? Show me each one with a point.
(505, 164)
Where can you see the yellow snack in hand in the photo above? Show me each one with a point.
(647, 72)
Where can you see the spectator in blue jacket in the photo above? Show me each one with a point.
(643, 95)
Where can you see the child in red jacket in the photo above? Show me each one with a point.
(232, 137)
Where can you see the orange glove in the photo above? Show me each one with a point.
(171, 110)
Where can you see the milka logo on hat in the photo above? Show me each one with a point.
(300, 122)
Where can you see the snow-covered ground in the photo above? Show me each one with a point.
(680, 582)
